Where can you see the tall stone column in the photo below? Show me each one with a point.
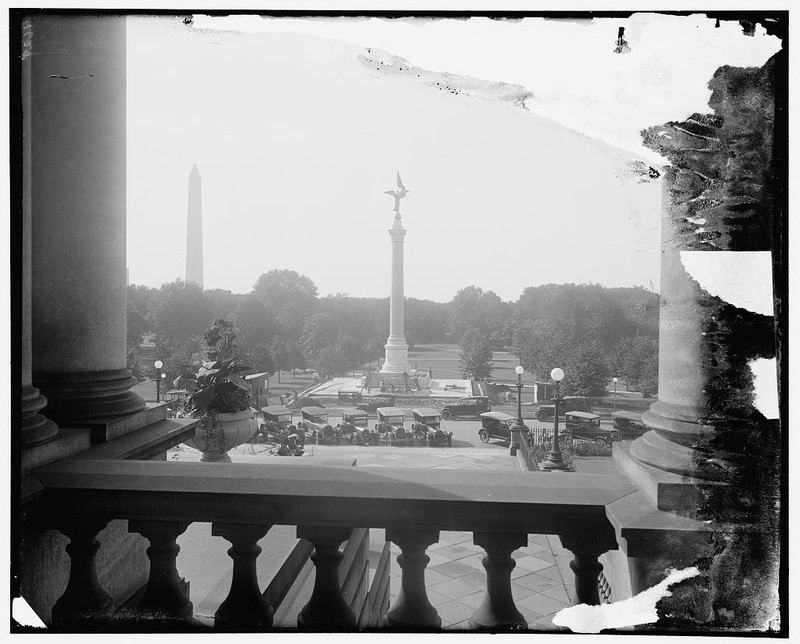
(679, 417)
(35, 428)
(396, 347)
(78, 190)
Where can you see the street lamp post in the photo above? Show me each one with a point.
(555, 461)
(518, 428)
(519, 371)
(158, 364)
(615, 393)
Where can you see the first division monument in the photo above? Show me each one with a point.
(396, 347)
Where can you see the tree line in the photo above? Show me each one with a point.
(590, 331)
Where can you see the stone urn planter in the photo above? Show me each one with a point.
(221, 432)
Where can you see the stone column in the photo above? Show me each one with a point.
(78, 183)
(35, 428)
(396, 347)
(678, 419)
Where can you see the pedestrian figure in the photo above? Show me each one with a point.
(369, 382)
(405, 381)
(416, 381)
(430, 373)
(383, 386)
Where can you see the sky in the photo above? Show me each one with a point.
(298, 126)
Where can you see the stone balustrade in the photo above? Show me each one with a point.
(242, 502)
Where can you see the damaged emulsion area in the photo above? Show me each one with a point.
(725, 193)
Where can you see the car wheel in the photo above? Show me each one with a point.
(541, 416)
(483, 435)
(446, 414)
(600, 442)
(478, 414)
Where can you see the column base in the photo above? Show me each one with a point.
(75, 398)
(396, 356)
(35, 428)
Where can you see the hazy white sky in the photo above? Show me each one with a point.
(296, 139)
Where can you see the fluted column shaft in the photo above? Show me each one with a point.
(78, 205)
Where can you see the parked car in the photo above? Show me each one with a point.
(278, 422)
(355, 428)
(495, 424)
(372, 403)
(317, 428)
(390, 426)
(472, 406)
(349, 396)
(427, 427)
(585, 426)
(568, 403)
(629, 424)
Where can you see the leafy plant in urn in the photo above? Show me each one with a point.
(219, 395)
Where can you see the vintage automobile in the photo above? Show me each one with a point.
(568, 403)
(390, 426)
(427, 427)
(629, 424)
(277, 423)
(355, 428)
(472, 406)
(495, 424)
(584, 426)
(371, 403)
(317, 428)
(352, 396)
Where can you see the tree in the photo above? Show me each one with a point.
(222, 331)
(180, 311)
(542, 345)
(331, 363)
(640, 363)
(586, 372)
(279, 287)
(474, 309)
(352, 351)
(320, 331)
(476, 356)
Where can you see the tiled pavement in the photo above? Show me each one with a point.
(456, 581)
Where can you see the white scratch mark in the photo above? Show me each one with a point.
(765, 386)
(640, 609)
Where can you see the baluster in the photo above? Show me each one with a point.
(587, 569)
(164, 597)
(327, 608)
(245, 608)
(412, 608)
(84, 599)
(498, 611)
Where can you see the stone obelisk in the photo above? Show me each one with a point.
(396, 347)
(194, 231)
